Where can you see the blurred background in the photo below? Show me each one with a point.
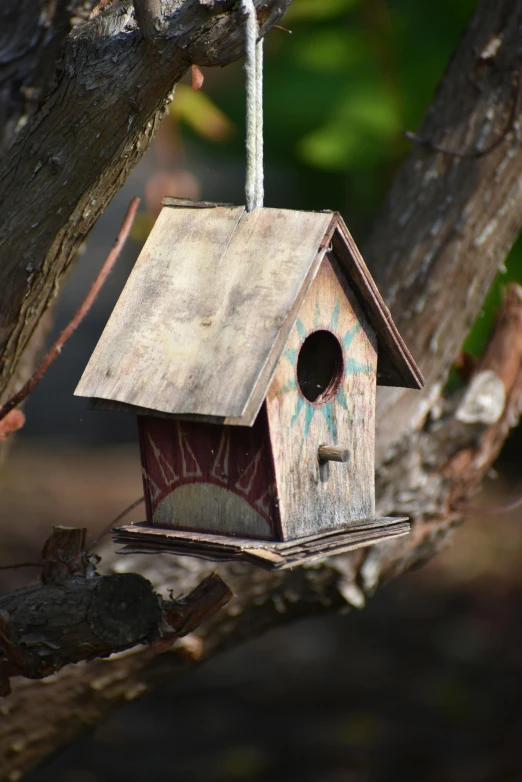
(426, 682)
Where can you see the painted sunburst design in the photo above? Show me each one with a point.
(351, 367)
(209, 478)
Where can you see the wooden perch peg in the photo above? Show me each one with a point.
(332, 453)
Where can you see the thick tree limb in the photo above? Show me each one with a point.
(66, 166)
(31, 39)
(57, 347)
(74, 614)
(448, 222)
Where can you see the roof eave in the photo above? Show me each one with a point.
(396, 366)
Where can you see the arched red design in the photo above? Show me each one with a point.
(237, 459)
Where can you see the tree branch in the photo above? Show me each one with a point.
(74, 614)
(448, 223)
(56, 348)
(32, 33)
(67, 164)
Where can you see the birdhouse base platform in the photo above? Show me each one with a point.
(268, 554)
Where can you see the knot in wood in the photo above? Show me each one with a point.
(123, 610)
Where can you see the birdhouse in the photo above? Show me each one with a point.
(249, 346)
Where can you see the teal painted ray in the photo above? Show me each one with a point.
(350, 334)
(301, 329)
(317, 316)
(298, 407)
(341, 398)
(353, 367)
(291, 355)
(334, 322)
(327, 411)
(290, 386)
(309, 414)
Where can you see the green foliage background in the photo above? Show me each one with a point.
(338, 93)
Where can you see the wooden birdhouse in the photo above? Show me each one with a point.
(250, 345)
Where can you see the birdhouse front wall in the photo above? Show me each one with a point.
(323, 393)
(208, 477)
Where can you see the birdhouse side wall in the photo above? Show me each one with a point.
(209, 478)
(316, 498)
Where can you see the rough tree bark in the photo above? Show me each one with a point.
(436, 252)
(74, 614)
(446, 227)
(31, 39)
(67, 164)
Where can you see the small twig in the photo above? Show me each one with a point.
(12, 422)
(426, 142)
(87, 303)
(99, 8)
(283, 29)
(93, 543)
(197, 78)
(113, 523)
(493, 510)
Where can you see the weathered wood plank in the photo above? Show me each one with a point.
(260, 391)
(207, 300)
(315, 497)
(120, 407)
(270, 555)
(176, 202)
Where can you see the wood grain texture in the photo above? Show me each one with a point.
(120, 407)
(195, 327)
(448, 222)
(270, 555)
(314, 498)
(32, 33)
(218, 479)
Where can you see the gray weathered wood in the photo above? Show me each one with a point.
(310, 500)
(207, 300)
(270, 555)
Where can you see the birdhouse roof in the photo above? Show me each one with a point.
(207, 310)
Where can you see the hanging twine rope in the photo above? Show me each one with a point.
(254, 188)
